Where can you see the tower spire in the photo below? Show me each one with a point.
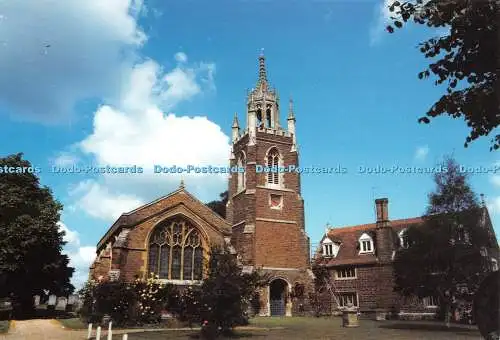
(291, 114)
(236, 124)
(262, 70)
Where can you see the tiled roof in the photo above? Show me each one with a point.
(348, 238)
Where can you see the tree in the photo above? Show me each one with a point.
(445, 253)
(321, 297)
(30, 239)
(219, 206)
(226, 293)
(465, 59)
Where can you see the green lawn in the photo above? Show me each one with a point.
(329, 328)
(4, 326)
(74, 323)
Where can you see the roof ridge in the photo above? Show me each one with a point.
(373, 224)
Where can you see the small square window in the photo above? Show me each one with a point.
(366, 246)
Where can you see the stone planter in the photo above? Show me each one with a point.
(350, 316)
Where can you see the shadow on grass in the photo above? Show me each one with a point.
(429, 327)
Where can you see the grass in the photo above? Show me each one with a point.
(4, 326)
(74, 323)
(298, 328)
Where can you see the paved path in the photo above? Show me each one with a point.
(41, 329)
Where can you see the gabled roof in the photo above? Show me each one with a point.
(348, 236)
(146, 211)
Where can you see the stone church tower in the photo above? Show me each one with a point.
(266, 209)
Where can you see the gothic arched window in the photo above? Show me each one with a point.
(268, 117)
(259, 118)
(241, 175)
(273, 159)
(176, 251)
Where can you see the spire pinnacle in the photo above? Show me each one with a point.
(291, 114)
(236, 124)
(181, 185)
(262, 70)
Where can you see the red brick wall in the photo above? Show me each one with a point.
(131, 259)
(275, 244)
(374, 286)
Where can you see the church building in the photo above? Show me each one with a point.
(264, 223)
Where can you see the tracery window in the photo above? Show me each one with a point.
(176, 251)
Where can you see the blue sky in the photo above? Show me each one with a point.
(158, 82)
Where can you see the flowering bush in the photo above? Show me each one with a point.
(127, 303)
(152, 298)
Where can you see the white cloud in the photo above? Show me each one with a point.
(138, 132)
(421, 153)
(494, 205)
(97, 201)
(383, 16)
(56, 53)
(65, 159)
(181, 57)
(80, 258)
(70, 236)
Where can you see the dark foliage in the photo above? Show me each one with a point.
(219, 206)
(444, 257)
(227, 292)
(486, 307)
(320, 298)
(465, 59)
(30, 240)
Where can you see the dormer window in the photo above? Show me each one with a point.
(366, 244)
(403, 239)
(330, 248)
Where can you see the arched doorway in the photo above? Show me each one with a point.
(278, 297)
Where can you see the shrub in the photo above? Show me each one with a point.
(152, 297)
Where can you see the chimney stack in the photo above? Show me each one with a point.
(382, 205)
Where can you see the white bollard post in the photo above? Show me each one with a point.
(125, 337)
(98, 333)
(110, 335)
(89, 333)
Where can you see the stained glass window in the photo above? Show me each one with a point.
(176, 251)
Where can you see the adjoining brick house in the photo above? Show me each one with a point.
(171, 236)
(360, 258)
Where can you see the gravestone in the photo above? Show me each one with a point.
(61, 303)
(52, 300)
(51, 304)
(73, 299)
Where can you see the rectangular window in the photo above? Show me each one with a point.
(345, 298)
(430, 301)
(328, 249)
(346, 273)
(366, 246)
